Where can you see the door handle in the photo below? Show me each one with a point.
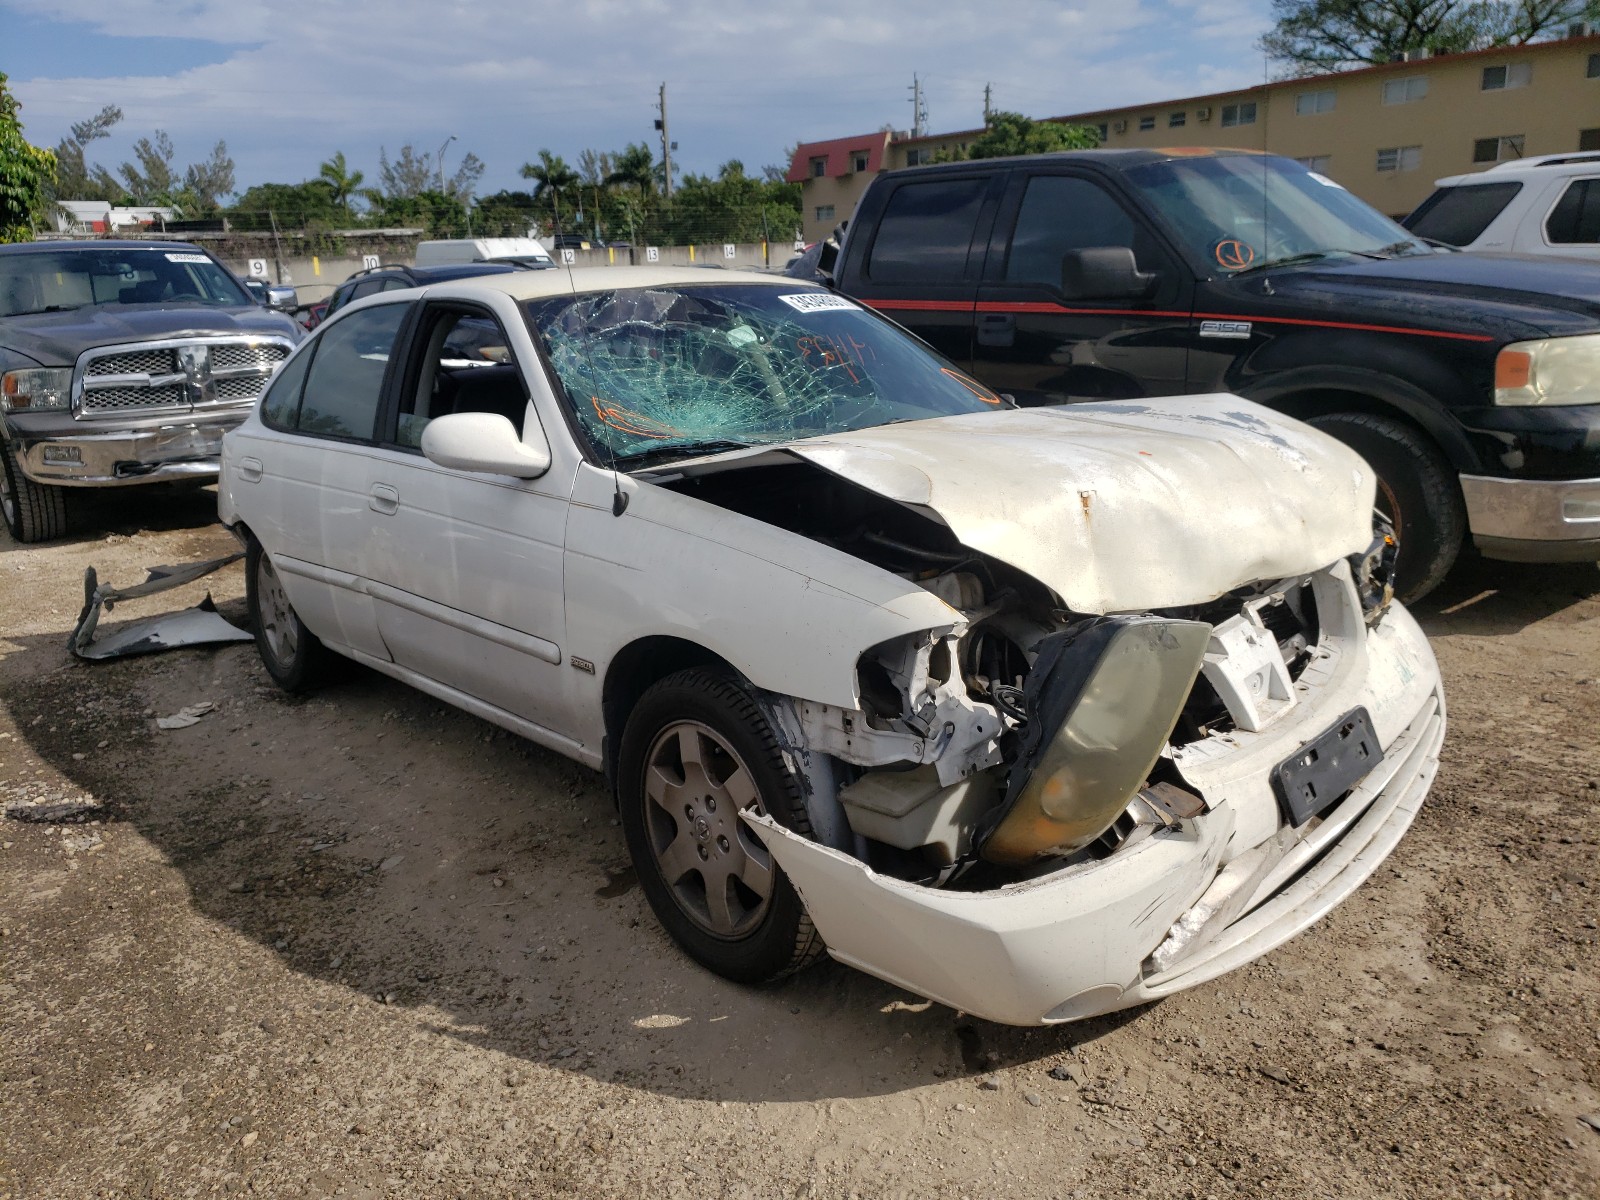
(250, 470)
(384, 499)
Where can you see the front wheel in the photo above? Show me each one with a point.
(292, 654)
(697, 751)
(34, 512)
(1417, 490)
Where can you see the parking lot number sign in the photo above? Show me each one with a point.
(369, 262)
(569, 256)
(728, 250)
(652, 254)
(258, 268)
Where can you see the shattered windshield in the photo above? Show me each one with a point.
(58, 281)
(1241, 213)
(676, 370)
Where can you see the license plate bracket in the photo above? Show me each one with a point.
(1319, 773)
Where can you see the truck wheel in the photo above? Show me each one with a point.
(1417, 491)
(34, 512)
(292, 654)
(696, 751)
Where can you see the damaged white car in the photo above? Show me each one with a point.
(1038, 713)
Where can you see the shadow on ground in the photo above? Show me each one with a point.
(1486, 598)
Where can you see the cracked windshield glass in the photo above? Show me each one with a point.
(675, 371)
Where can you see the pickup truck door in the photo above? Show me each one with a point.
(1043, 346)
(922, 264)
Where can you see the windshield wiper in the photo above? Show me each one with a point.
(1397, 249)
(1288, 260)
(652, 454)
(48, 308)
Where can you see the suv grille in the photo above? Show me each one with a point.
(176, 376)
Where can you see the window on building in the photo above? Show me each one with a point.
(1458, 215)
(1177, 120)
(916, 158)
(1497, 149)
(1512, 75)
(1238, 114)
(1146, 123)
(819, 166)
(1576, 216)
(859, 159)
(926, 231)
(1400, 158)
(1405, 91)
(1309, 104)
(1589, 139)
(824, 212)
(1103, 130)
(1594, 66)
(1316, 162)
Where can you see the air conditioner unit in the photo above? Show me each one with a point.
(1202, 114)
(1119, 127)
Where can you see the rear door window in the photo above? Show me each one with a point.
(925, 234)
(345, 383)
(1575, 220)
(1457, 216)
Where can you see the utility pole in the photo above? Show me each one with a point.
(666, 142)
(987, 110)
(919, 111)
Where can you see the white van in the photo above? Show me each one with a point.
(524, 250)
(1547, 204)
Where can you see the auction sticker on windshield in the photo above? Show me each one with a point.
(188, 258)
(817, 301)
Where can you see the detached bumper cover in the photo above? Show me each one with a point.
(1171, 911)
(1534, 520)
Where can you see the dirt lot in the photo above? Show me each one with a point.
(360, 944)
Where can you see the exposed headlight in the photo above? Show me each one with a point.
(39, 389)
(1101, 704)
(1563, 370)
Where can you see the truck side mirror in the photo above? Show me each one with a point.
(282, 298)
(1104, 273)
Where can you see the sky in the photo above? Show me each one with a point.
(288, 84)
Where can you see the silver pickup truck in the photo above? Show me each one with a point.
(121, 363)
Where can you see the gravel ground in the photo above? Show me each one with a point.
(360, 944)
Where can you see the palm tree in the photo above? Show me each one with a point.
(344, 182)
(553, 178)
(634, 167)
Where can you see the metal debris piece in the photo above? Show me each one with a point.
(186, 716)
(198, 626)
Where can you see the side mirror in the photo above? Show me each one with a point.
(486, 443)
(1104, 273)
(282, 298)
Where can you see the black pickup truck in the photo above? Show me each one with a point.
(121, 363)
(1470, 382)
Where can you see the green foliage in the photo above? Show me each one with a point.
(1311, 37)
(27, 173)
(1012, 133)
(505, 214)
(293, 205)
(439, 213)
(553, 181)
(344, 182)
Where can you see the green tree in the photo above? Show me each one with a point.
(1309, 37)
(504, 214)
(75, 180)
(553, 178)
(292, 205)
(207, 181)
(1012, 133)
(344, 182)
(27, 173)
(634, 166)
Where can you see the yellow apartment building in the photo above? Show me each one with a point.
(1385, 132)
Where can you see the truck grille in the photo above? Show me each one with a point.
(186, 375)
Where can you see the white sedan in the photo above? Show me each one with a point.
(1039, 713)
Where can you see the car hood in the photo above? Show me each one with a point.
(56, 339)
(1124, 506)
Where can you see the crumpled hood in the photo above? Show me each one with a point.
(1124, 505)
(56, 339)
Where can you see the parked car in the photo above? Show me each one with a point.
(121, 363)
(1039, 713)
(1471, 385)
(520, 251)
(1547, 204)
(396, 277)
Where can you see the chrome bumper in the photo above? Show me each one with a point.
(186, 451)
(1534, 520)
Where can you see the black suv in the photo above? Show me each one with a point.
(1470, 382)
(388, 279)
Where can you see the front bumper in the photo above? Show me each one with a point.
(1181, 906)
(1534, 520)
(80, 457)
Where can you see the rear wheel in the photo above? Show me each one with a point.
(697, 751)
(293, 656)
(34, 512)
(1417, 491)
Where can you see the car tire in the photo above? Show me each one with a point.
(697, 748)
(1417, 490)
(34, 512)
(292, 654)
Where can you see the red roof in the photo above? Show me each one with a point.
(837, 152)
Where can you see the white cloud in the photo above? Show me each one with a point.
(745, 79)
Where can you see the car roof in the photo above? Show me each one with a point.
(1540, 166)
(94, 244)
(535, 285)
(1110, 160)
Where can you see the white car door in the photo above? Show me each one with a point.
(465, 569)
(307, 471)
